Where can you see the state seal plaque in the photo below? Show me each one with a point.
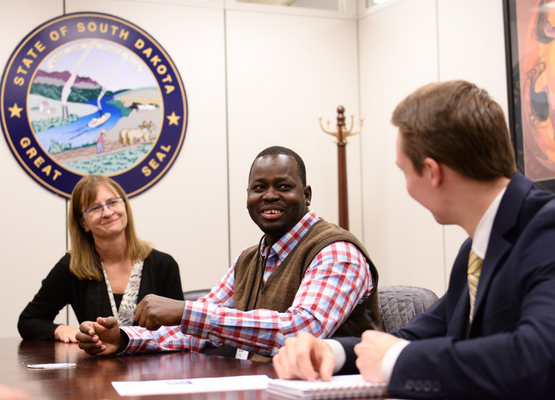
(91, 93)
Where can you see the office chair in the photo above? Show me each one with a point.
(195, 294)
(398, 304)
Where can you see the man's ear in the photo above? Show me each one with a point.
(308, 194)
(434, 171)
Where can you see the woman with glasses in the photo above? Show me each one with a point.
(108, 270)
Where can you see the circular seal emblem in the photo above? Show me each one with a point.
(90, 93)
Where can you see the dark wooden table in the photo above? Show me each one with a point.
(92, 377)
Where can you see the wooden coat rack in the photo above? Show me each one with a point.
(341, 134)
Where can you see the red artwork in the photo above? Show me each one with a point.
(536, 64)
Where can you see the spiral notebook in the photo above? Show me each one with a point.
(340, 387)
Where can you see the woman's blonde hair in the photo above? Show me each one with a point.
(85, 261)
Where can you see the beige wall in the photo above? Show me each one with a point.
(32, 233)
(256, 77)
(283, 72)
(403, 46)
(398, 53)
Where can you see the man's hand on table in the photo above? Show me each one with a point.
(304, 357)
(100, 338)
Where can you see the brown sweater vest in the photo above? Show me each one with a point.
(281, 287)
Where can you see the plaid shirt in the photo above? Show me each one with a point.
(337, 279)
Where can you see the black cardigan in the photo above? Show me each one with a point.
(89, 299)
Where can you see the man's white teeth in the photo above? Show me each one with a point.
(271, 212)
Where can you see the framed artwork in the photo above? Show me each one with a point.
(530, 49)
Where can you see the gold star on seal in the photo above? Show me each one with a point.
(15, 111)
(173, 119)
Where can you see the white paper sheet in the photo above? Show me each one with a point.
(199, 385)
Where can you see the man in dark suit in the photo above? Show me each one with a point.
(492, 335)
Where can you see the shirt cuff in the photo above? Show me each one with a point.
(338, 352)
(390, 358)
(124, 344)
(199, 318)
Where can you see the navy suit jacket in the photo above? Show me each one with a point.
(509, 352)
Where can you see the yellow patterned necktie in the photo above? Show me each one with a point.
(473, 275)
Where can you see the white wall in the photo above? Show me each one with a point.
(283, 72)
(471, 47)
(402, 46)
(256, 77)
(32, 233)
(398, 53)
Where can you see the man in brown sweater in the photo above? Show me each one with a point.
(305, 275)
